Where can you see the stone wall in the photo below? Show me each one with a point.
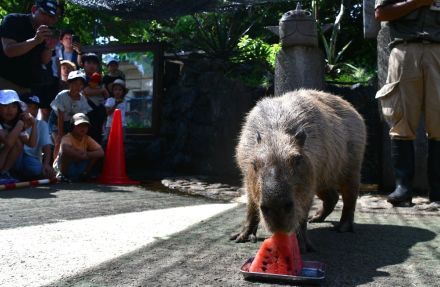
(201, 117)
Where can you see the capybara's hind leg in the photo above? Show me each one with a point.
(329, 199)
(349, 192)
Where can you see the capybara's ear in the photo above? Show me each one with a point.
(300, 138)
(258, 138)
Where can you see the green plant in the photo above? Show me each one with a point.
(257, 50)
(254, 61)
(332, 53)
(219, 33)
(350, 74)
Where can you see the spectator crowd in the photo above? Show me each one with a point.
(56, 109)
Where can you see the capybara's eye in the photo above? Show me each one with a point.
(258, 137)
(294, 160)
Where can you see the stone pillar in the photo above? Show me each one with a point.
(300, 63)
(371, 26)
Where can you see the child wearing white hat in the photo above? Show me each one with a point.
(13, 123)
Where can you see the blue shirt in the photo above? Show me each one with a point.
(43, 138)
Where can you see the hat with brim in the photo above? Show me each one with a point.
(31, 99)
(10, 96)
(112, 60)
(48, 6)
(76, 75)
(118, 82)
(80, 118)
(69, 63)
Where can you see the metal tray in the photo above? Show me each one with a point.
(313, 273)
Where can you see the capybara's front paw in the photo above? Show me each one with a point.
(318, 217)
(240, 237)
(244, 237)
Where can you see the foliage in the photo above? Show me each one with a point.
(257, 50)
(217, 34)
(236, 35)
(92, 24)
(255, 61)
(331, 31)
(350, 74)
(225, 36)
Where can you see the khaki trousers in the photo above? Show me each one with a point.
(412, 90)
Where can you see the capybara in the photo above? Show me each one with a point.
(292, 147)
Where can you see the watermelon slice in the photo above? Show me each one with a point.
(279, 254)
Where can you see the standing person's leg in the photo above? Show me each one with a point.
(401, 100)
(47, 94)
(432, 117)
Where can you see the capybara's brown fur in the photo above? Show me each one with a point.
(292, 147)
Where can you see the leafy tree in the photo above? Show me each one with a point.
(88, 24)
(221, 34)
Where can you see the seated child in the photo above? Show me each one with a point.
(13, 123)
(78, 152)
(118, 101)
(36, 162)
(65, 105)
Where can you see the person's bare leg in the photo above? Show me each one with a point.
(12, 156)
(3, 155)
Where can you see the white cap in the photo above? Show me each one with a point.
(120, 83)
(80, 118)
(10, 96)
(112, 59)
(75, 75)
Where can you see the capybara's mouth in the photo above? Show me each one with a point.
(276, 225)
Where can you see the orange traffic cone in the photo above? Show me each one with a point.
(113, 171)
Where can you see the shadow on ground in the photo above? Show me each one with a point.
(203, 256)
(357, 258)
(47, 191)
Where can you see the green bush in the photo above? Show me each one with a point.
(254, 61)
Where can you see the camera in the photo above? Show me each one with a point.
(75, 39)
(55, 34)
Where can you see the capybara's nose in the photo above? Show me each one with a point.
(274, 207)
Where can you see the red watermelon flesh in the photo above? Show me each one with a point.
(279, 254)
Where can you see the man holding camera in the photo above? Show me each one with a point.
(26, 43)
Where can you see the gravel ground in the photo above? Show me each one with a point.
(390, 246)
